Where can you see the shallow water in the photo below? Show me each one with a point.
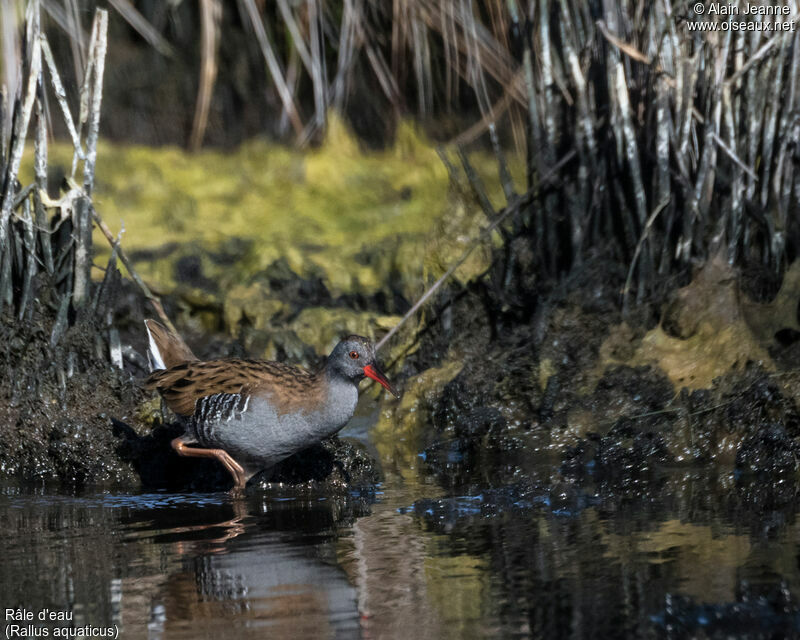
(694, 553)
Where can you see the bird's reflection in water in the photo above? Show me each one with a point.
(256, 568)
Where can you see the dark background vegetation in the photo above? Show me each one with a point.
(378, 66)
(675, 144)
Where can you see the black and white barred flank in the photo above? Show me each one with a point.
(211, 411)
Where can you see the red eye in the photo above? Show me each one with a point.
(354, 355)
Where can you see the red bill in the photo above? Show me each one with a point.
(373, 372)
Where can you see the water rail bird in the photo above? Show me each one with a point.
(251, 414)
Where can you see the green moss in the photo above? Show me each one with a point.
(253, 302)
(320, 207)
(363, 222)
(322, 328)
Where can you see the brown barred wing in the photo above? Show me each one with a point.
(184, 385)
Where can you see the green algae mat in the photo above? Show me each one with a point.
(361, 222)
(322, 209)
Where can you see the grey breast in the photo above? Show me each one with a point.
(252, 431)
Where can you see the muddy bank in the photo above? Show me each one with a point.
(576, 389)
(498, 377)
(702, 376)
(60, 392)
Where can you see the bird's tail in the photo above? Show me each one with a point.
(165, 349)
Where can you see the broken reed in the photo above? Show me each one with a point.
(39, 235)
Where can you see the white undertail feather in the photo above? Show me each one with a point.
(153, 354)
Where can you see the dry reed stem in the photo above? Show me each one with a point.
(141, 25)
(273, 65)
(210, 15)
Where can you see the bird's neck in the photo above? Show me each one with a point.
(341, 397)
(332, 378)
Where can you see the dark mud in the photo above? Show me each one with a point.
(538, 388)
(333, 466)
(59, 396)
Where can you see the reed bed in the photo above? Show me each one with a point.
(675, 134)
(672, 143)
(46, 240)
(686, 141)
(37, 233)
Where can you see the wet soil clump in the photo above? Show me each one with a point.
(334, 466)
(60, 392)
(568, 384)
